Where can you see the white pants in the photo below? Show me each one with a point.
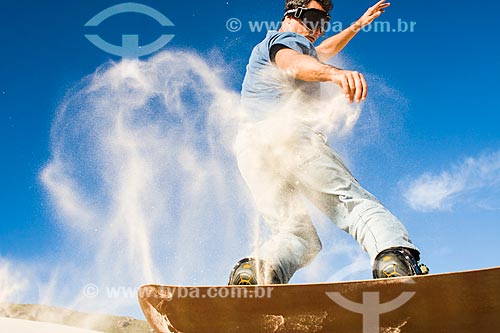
(282, 165)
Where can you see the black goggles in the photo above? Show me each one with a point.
(312, 18)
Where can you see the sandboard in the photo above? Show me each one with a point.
(450, 302)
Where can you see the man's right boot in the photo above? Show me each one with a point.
(399, 261)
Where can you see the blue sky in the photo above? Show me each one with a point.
(430, 150)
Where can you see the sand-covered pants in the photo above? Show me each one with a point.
(282, 165)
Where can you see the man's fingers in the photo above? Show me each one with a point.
(359, 86)
(375, 6)
(345, 86)
(365, 87)
(380, 6)
(379, 10)
(352, 86)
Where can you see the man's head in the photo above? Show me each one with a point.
(326, 5)
(306, 17)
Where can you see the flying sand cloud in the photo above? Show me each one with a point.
(143, 182)
(12, 282)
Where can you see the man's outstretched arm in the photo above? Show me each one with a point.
(307, 68)
(333, 45)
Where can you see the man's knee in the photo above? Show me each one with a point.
(313, 247)
(317, 246)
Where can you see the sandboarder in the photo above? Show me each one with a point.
(283, 163)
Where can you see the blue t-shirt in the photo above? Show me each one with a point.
(265, 84)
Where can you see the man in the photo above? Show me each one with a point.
(284, 160)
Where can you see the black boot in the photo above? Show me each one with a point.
(398, 261)
(250, 272)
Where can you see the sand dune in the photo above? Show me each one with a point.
(21, 318)
(28, 326)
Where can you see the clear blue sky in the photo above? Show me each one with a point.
(437, 132)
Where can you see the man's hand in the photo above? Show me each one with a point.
(307, 68)
(371, 14)
(352, 83)
(333, 45)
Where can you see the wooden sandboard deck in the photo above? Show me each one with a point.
(451, 302)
